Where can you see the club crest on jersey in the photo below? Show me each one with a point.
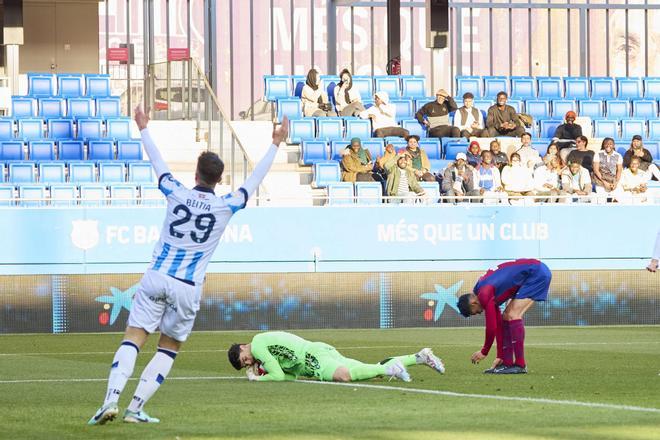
(85, 234)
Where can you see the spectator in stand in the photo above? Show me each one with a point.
(356, 163)
(568, 132)
(645, 159)
(488, 180)
(581, 154)
(315, 100)
(608, 166)
(551, 152)
(419, 159)
(347, 99)
(469, 119)
(575, 180)
(529, 157)
(459, 179)
(499, 157)
(502, 119)
(546, 180)
(383, 117)
(517, 179)
(435, 116)
(401, 181)
(634, 182)
(474, 154)
(653, 264)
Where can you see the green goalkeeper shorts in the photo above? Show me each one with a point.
(322, 360)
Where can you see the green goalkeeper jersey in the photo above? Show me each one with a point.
(283, 355)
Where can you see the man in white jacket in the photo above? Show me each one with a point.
(383, 117)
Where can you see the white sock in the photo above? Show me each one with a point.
(153, 375)
(121, 370)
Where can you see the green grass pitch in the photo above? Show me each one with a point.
(44, 394)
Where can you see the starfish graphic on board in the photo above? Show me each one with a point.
(120, 299)
(443, 296)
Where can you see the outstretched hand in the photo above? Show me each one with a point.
(141, 117)
(282, 132)
(477, 357)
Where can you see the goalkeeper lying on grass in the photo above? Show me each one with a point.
(278, 356)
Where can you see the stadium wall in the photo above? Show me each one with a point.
(356, 267)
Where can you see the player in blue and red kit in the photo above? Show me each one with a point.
(521, 282)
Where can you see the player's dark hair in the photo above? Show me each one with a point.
(502, 93)
(463, 305)
(209, 168)
(233, 355)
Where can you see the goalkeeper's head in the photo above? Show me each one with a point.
(240, 356)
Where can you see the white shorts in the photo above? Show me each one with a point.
(166, 303)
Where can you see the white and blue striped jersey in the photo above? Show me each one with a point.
(196, 218)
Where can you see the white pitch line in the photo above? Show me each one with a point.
(106, 379)
(489, 396)
(366, 347)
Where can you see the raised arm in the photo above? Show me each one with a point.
(157, 162)
(279, 135)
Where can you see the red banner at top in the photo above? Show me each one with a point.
(118, 54)
(178, 53)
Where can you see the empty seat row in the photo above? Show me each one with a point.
(54, 107)
(35, 129)
(86, 194)
(557, 87)
(68, 85)
(76, 172)
(99, 149)
(371, 193)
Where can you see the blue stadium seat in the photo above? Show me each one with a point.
(548, 127)
(118, 129)
(367, 102)
(404, 108)
(591, 108)
(654, 149)
(414, 127)
(41, 84)
(631, 127)
(327, 80)
(300, 129)
(576, 88)
(298, 84)
(32, 195)
(453, 148)
(538, 108)
(432, 191)
(470, 84)
(89, 129)
(70, 85)
(365, 85)
(419, 103)
(101, 150)
(82, 172)
(313, 151)
(326, 173)
(606, 128)
(63, 194)
(3, 171)
(52, 107)
(432, 148)
(540, 145)
(413, 86)
(561, 106)
(71, 150)
(141, 172)
(654, 129)
(376, 146)
(645, 108)
(621, 147)
(289, 107)
(340, 193)
(52, 172)
(108, 107)
(276, 87)
(492, 86)
(523, 87)
(329, 128)
(112, 172)
(80, 108)
(603, 88)
(150, 195)
(369, 193)
(22, 172)
(339, 145)
(387, 83)
(60, 129)
(483, 104)
(7, 197)
(360, 128)
(30, 129)
(129, 150)
(23, 107)
(97, 85)
(41, 150)
(11, 150)
(438, 166)
(6, 129)
(92, 194)
(652, 87)
(629, 88)
(515, 103)
(550, 87)
(397, 142)
(617, 108)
